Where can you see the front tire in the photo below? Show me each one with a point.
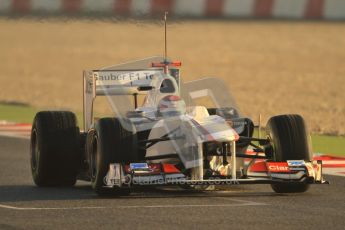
(110, 143)
(290, 141)
(55, 148)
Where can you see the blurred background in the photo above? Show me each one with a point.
(276, 56)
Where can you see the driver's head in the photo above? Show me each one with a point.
(171, 105)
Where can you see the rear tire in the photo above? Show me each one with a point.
(55, 148)
(110, 143)
(290, 141)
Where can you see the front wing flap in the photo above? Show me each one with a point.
(128, 175)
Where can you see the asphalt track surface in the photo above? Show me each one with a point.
(24, 206)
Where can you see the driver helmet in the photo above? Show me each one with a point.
(171, 105)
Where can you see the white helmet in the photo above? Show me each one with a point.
(171, 105)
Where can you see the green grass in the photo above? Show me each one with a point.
(334, 145)
(17, 113)
(23, 114)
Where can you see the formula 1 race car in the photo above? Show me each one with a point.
(190, 134)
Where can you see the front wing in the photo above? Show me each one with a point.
(262, 172)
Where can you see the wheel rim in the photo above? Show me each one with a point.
(271, 143)
(34, 150)
(94, 158)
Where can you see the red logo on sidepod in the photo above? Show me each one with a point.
(278, 167)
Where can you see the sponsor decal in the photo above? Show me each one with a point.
(124, 78)
(296, 163)
(113, 176)
(278, 167)
(139, 166)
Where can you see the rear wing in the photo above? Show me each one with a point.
(117, 82)
(122, 82)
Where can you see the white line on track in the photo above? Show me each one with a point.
(190, 205)
(243, 203)
(53, 208)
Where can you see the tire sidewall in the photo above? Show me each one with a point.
(111, 148)
(55, 139)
